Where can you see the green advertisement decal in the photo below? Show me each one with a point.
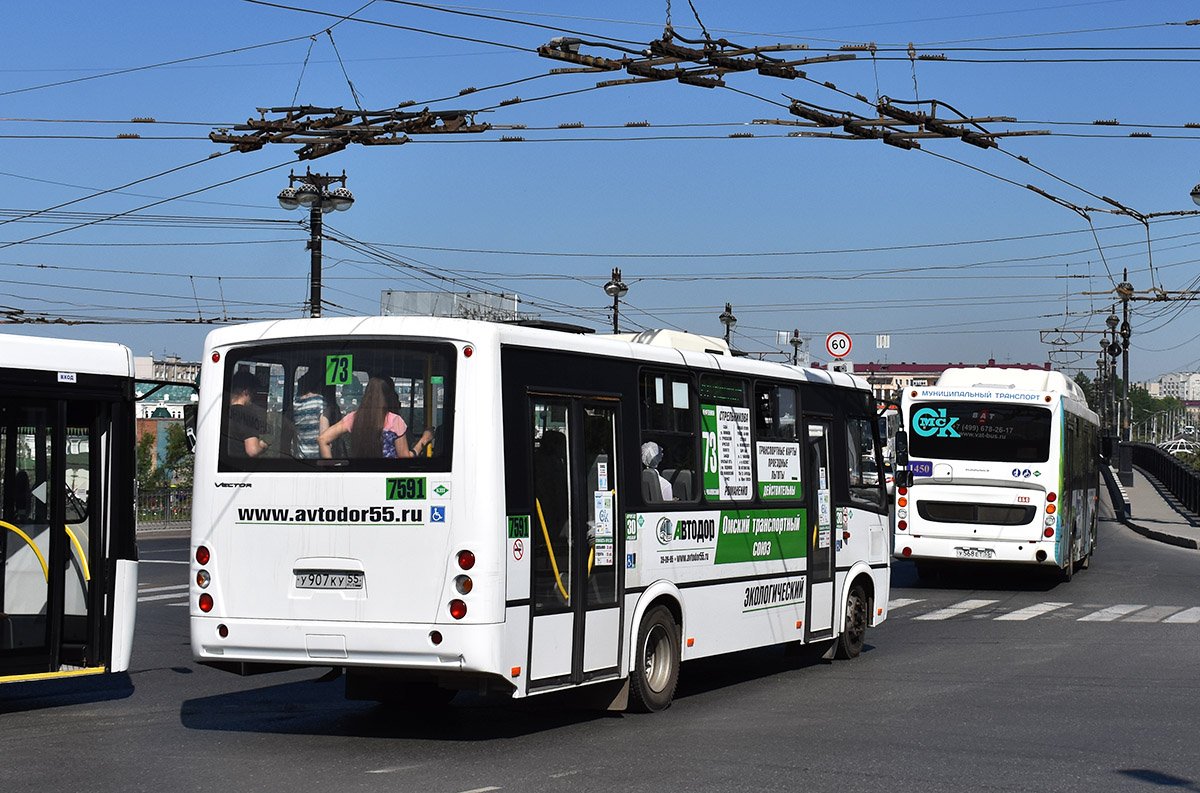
(760, 535)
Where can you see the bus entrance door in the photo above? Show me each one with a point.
(821, 519)
(48, 613)
(576, 612)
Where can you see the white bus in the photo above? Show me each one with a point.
(68, 562)
(1003, 467)
(577, 509)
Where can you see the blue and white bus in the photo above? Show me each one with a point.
(1003, 466)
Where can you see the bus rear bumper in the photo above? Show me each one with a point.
(462, 649)
(971, 550)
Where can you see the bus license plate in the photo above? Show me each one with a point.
(328, 579)
(975, 553)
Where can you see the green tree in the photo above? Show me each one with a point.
(1085, 382)
(149, 475)
(179, 460)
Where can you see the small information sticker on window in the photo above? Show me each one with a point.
(66, 377)
(338, 369)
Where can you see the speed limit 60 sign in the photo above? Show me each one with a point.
(837, 344)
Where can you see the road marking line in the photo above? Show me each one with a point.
(1111, 613)
(481, 790)
(1029, 612)
(900, 603)
(394, 769)
(957, 610)
(184, 603)
(163, 588)
(1153, 614)
(1190, 616)
(160, 561)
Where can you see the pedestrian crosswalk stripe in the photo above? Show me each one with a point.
(1111, 613)
(957, 610)
(1191, 615)
(1153, 614)
(1029, 612)
(900, 603)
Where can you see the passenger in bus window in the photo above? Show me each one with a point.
(375, 431)
(247, 421)
(652, 455)
(311, 414)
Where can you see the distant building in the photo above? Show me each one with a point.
(170, 367)
(889, 380)
(161, 408)
(1184, 386)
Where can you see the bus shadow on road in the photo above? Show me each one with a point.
(319, 707)
(65, 692)
(991, 576)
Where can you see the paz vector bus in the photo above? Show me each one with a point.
(495, 507)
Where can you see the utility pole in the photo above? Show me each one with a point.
(313, 192)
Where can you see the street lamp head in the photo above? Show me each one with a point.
(1112, 321)
(287, 198)
(615, 288)
(307, 194)
(796, 341)
(1196, 195)
(341, 199)
(326, 204)
(727, 318)
(1114, 349)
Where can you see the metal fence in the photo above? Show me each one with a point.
(164, 509)
(1175, 475)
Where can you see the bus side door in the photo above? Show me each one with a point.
(576, 622)
(51, 569)
(821, 518)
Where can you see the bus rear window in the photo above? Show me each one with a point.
(980, 431)
(338, 404)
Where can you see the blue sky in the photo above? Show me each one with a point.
(942, 248)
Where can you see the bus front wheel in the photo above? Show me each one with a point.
(854, 629)
(656, 663)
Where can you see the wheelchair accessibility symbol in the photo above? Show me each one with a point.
(437, 514)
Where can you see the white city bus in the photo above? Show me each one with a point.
(1003, 467)
(578, 509)
(68, 562)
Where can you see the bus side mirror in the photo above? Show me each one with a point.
(901, 448)
(189, 426)
(904, 478)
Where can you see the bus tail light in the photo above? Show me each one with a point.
(902, 502)
(202, 554)
(203, 578)
(463, 584)
(1049, 532)
(901, 525)
(907, 552)
(466, 560)
(206, 603)
(902, 491)
(1051, 497)
(1050, 509)
(458, 609)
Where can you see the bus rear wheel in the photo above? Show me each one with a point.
(656, 663)
(854, 629)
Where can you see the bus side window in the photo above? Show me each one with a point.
(866, 480)
(668, 420)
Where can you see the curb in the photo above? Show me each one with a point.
(1117, 495)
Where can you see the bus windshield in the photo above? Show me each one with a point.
(358, 404)
(980, 431)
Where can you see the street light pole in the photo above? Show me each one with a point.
(728, 320)
(616, 289)
(796, 342)
(1125, 471)
(313, 192)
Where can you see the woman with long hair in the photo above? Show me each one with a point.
(375, 430)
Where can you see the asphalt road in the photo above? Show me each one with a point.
(986, 681)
